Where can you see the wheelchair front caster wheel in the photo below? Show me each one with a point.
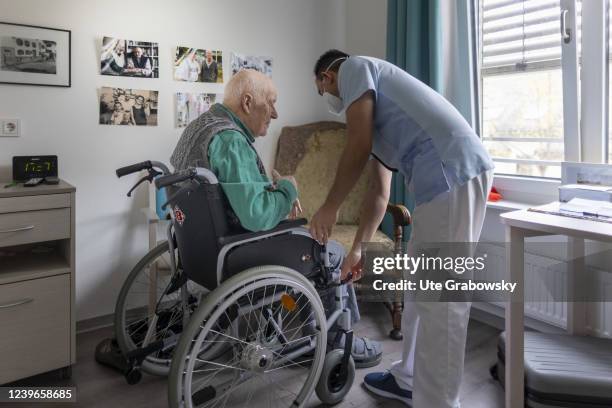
(331, 387)
(133, 376)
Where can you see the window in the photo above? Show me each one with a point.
(525, 124)
(609, 82)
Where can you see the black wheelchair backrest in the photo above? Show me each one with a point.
(200, 219)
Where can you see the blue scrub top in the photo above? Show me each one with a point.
(416, 130)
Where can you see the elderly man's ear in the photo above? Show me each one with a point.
(247, 102)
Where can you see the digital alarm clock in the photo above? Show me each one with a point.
(28, 167)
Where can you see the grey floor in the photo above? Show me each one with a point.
(101, 387)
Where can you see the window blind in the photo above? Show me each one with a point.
(520, 35)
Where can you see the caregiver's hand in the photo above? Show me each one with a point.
(352, 263)
(322, 223)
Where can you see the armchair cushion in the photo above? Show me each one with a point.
(344, 234)
(310, 153)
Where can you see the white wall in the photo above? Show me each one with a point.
(63, 121)
(366, 27)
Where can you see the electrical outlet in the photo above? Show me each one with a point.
(10, 128)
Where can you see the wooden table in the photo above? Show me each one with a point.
(522, 224)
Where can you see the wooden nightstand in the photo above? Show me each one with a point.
(37, 302)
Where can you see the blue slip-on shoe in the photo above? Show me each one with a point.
(384, 385)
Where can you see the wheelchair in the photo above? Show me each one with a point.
(245, 324)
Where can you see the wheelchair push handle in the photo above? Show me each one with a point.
(154, 169)
(201, 174)
(175, 178)
(152, 166)
(133, 168)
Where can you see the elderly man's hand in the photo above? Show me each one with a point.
(296, 210)
(276, 177)
(322, 223)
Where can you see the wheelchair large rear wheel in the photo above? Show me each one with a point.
(154, 305)
(273, 319)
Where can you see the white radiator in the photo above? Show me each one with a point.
(542, 273)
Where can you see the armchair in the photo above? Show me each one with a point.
(310, 153)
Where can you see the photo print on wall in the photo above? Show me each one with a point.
(261, 64)
(197, 65)
(32, 55)
(132, 107)
(129, 58)
(191, 105)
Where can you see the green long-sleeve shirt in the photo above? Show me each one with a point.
(234, 162)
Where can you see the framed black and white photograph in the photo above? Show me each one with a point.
(32, 55)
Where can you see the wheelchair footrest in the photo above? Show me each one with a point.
(109, 354)
(204, 395)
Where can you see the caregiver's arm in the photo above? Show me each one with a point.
(360, 124)
(373, 210)
(374, 204)
(359, 129)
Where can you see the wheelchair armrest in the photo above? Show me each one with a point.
(282, 226)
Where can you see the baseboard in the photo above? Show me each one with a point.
(95, 323)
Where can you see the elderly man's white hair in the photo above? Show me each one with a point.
(247, 81)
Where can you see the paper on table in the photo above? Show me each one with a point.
(592, 187)
(587, 207)
(554, 208)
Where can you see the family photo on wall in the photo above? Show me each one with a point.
(197, 65)
(129, 58)
(191, 105)
(258, 63)
(132, 107)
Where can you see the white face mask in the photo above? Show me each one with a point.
(335, 104)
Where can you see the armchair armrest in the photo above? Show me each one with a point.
(401, 218)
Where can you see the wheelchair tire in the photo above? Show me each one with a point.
(252, 363)
(132, 319)
(330, 389)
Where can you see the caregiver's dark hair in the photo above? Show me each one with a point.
(327, 58)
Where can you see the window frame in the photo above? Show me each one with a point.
(594, 82)
(585, 116)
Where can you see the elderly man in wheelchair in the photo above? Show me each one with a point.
(277, 316)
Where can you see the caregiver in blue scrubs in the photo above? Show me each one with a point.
(405, 125)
